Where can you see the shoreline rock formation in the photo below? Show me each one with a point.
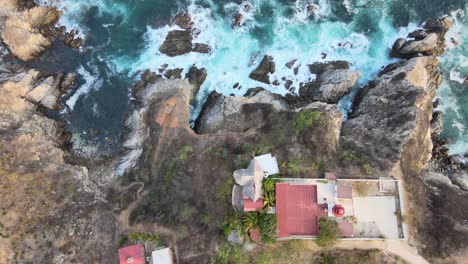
(28, 30)
(334, 80)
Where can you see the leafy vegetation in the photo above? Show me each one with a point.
(225, 189)
(358, 160)
(186, 153)
(269, 199)
(329, 232)
(268, 184)
(146, 237)
(305, 119)
(231, 223)
(267, 224)
(250, 221)
(230, 253)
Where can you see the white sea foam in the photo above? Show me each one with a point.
(91, 82)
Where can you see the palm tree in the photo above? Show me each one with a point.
(269, 199)
(250, 221)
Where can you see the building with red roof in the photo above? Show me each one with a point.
(251, 206)
(297, 211)
(132, 255)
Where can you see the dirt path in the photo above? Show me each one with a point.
(396, 247)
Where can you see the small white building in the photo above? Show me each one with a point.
(162, 256)
(268, 164)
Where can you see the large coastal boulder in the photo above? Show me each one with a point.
(177, 42)
(262, 72)
(196, 77)
(391, 122)
(222, 114)
(334, 80)
(25, 32)
(427, 41)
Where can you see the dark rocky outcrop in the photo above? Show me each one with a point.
(183, 20)
(221, 114)
(321, 67)
(262, 72)
(427, 41)
(391, 123)
(196, 77)
(334, 80)
(201, 48)
(177, 42)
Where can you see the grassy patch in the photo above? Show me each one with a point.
(357, 159)
(146, 237)
(186, 153)
(305, 119)
(225, 189)
(230, 253)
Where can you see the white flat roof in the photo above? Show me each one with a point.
(268, 163)
(162, 256)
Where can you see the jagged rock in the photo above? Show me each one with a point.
(183, 20)
(391, 124)
(261, 73)
(334, 81)
(201, 48)
(173, 73)
(418, 34)
(428, 41)
(291, 63)
(23, 31)
(436, 123)
(177, 42)
(236, 114)
(196, 77)
(427, 44)
(238, 20)
(460, 179)
(321, 67)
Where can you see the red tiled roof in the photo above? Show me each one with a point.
(132, 255)
(344, 191)
(297, 211)
(346, 229)
(250, 206)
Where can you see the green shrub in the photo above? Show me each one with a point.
(225, 189)
(144, 237)
(329, 232)
(269, 199)
(186, 153)
(230, 253)
(231, 223)
(268, 185)
(250, 221)
(327, 259)
(267, 224)
(305, 119)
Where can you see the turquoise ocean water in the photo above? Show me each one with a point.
(123, 38)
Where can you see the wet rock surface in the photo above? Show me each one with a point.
(177, 42)
(262, 72)
(334, 80)
(427, 41)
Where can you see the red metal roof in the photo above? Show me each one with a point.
(297, 211)
(346, 229)
(250, 206)
(344, 191)
(132, 255)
